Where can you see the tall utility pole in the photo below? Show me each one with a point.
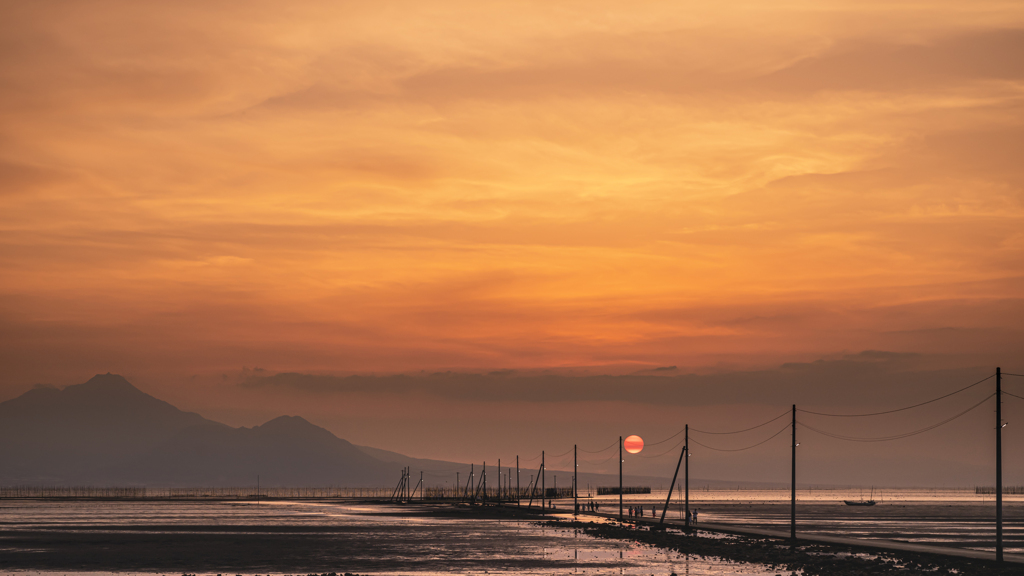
(423, 496)
(575, 493)
(499, 481)
(999, 465)
(519, 494)
(686, 446)
(792, 498)
(682, 454)
(620, 478)
(543, 485)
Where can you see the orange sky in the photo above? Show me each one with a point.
(337, 187)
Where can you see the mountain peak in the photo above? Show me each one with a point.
(108, 381)
(295, 427)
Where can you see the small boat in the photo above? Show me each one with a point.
(862, 502)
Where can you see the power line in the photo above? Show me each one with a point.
(610, 446)
(1009, 374)
(1012, 394)
(897, 409)
(672, 449)
(599, 463)
(745, 429)
(895, 436)
(784, 428)
(663, 441)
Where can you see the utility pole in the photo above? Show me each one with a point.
(543, 484)
(575, 492)
(686, 446)
(258, 489)
(620, 478)
(519, 494)
(682, 454)
(792, 499)
(423, 495)
(499, 480)
(999, 465)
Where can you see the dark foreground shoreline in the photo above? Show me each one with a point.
(812, 559)
(390, 547)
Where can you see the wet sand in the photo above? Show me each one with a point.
(291, 538)
(808, 559)
(949, 524)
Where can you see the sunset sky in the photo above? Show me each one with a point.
(375, 188)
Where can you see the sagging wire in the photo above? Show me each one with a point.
(601, 462)
(898, 409)
(609, 447)
(784, 428)
(896, 436)
(665, 440)
(672, 449)
(745, 429)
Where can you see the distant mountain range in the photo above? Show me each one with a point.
(107, 432)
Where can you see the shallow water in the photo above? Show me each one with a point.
(51, 537)
(956, 518)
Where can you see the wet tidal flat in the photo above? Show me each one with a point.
(50, 537)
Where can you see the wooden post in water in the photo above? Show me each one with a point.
(792, 498)
(999, 465)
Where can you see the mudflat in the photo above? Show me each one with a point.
(303, 538)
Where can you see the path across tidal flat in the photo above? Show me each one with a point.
(952, 525)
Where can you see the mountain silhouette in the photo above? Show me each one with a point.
(107, 431)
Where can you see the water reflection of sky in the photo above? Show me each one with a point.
(958, 518)
(420, 543)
